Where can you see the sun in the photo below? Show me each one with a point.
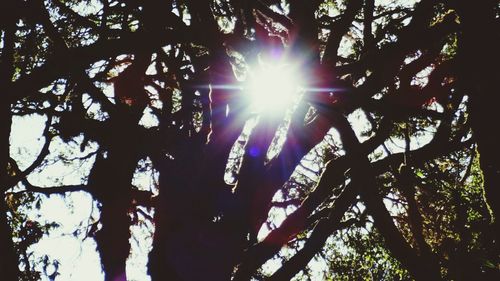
(272, 87)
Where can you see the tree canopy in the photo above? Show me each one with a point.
(252, 139)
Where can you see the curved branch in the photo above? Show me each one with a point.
(20, 175)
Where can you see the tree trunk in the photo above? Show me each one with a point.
(9, 261)
(110, 183)
(113, 238)
(479, 75)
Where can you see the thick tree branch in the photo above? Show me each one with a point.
(9, 268)
(368, 38)
(57, 65)
(477, 77)
(338, 29)
(54, 189)
(333, 175)
(363, 175)
(315, 243)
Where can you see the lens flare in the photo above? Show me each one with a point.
(272, 87)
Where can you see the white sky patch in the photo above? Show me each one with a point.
(148, 119)
(346, 46)
(411, 58)
(96, 67)
(276, 216)
(378, 153)
(94, 109)
(141, 243)
(360, 124)
(141, 240)
(87, 8)
(422, 77)
(57, 172)
(393, 206)
(186, 17)
(396, 3)
(78, 258)
(26, 139)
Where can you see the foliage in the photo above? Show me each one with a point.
(381, 165)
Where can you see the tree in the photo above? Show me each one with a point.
(383, 166)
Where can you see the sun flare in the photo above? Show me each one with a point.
(272, 87)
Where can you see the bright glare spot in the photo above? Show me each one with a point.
(272, 87)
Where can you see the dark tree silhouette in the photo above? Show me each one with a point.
(385, 168)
